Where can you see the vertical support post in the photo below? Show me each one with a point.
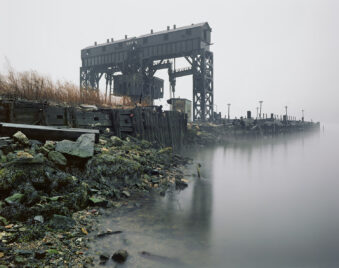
(228, 111)
(203, 99)
(89, 80)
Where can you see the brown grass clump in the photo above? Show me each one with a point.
(32, 86)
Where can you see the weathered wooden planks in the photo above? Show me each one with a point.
(165, 128)
(44, 133)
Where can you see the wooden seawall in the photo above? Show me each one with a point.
(165, 128)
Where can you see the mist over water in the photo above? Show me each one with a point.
(262, 203)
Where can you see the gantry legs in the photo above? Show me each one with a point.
(201, 68)
(202, 65)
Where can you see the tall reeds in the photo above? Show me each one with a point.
(31, 85)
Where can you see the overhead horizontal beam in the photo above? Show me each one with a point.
(182, 72)
(161, 66)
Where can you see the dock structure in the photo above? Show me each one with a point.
(129, 65)
(43, 121)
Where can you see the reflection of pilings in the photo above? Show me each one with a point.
(201, 206)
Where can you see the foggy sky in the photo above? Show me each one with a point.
(282, 52)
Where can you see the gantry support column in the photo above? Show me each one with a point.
(202, 65)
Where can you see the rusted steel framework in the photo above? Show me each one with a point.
(129, 65)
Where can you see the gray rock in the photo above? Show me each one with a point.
(83, 147)
(21, 137)
(58, 158)
(120, 255)
(61, 222)
(39, 218)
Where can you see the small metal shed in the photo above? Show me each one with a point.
(181, 105)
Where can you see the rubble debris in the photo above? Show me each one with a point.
(46, 200)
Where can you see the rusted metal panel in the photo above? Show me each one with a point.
(28, 112)
(56, 116)
(92, 119)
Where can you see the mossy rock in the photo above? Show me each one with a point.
(15, 198)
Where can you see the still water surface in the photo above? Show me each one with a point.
(264, 203)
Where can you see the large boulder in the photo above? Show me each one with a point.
(83, 147)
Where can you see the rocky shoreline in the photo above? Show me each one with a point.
(52, 194)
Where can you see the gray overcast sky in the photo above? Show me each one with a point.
(284, 52)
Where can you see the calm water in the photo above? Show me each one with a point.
(267, 203)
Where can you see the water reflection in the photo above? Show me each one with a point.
(258, 203)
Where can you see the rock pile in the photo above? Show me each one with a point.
(42, 185)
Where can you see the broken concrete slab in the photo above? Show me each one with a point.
(83, 147)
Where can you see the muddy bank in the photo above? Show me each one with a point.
(51, 194)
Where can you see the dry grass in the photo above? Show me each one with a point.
(33, 86)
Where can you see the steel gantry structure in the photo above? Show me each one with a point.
(129, 65)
